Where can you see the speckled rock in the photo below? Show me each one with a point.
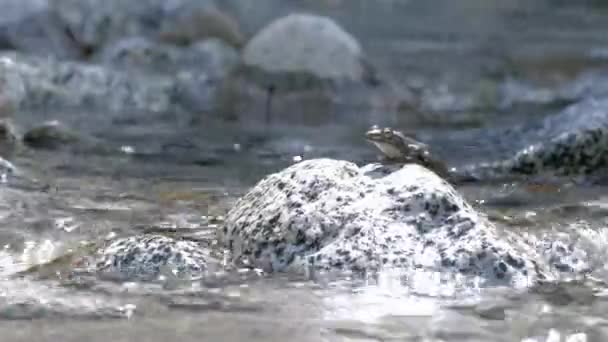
(298, 50)
(47, 83)
(148, 256)
(571, 143)
(329, 215)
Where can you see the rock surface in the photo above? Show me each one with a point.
(329, 215)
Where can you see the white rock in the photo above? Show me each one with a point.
(307, 44)
(330, 215)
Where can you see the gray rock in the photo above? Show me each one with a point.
(306, 68)
(195, 91)
(41, 33)
(326, 215)
(217, 58)
(95, 24)
(146, 257)
(299, 49)
(190, 21)
(34, 82)
(211, 56)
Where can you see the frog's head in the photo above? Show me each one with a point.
(393, 144)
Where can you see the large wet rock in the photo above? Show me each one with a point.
(326, 215)
(32, 82)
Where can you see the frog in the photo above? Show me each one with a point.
(398, 148)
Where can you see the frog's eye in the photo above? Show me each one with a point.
(388, 132)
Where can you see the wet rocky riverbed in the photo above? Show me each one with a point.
(156, 117)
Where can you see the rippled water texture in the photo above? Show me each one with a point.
(451, 55)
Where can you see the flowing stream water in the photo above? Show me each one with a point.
(180, 175)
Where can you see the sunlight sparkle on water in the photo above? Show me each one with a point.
(390, 295)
